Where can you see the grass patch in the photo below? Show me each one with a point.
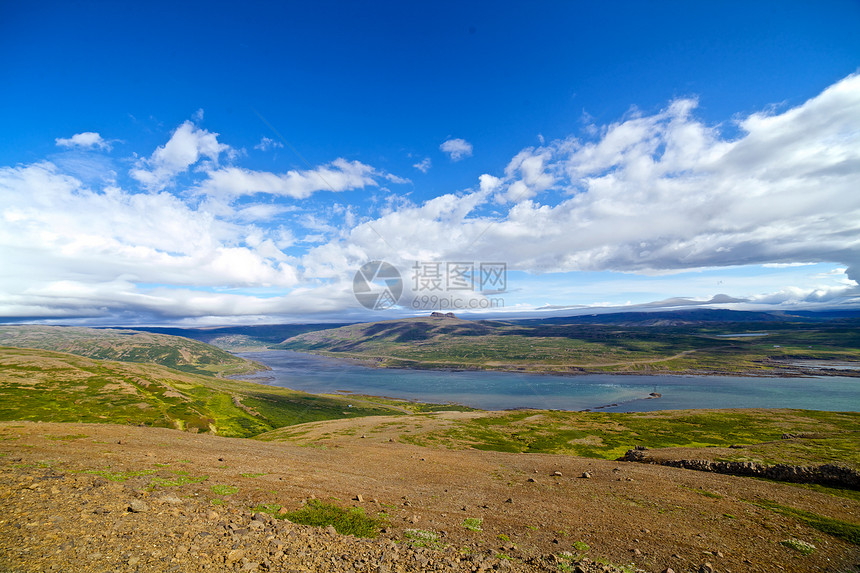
(120, 476)
(423, 538)
(252, 475)
(849, 532)
(273, 509)
(351, 521)
(221, 489)
(67, 437)
(703, 492)
(179, 481)
(473, 523)
(800, 546)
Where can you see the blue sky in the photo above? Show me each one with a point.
(209, 163)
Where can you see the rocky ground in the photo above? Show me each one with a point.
(85, 497)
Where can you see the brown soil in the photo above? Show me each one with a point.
(533, 506)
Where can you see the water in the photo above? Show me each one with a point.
(505, 390)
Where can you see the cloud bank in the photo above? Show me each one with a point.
(193, 234)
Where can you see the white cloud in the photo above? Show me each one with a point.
(71, 246)
(187, 145)
(339, 175)
(424, 165)
(86, 139)
(650, 194)
(659, 193)
(267, 143)
(457, 149)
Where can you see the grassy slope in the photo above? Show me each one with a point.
(830, 437)
(454, 343)
(128, 346)
(51, 386)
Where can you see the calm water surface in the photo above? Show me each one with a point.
(504, 390)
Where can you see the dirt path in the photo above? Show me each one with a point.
(530, 506)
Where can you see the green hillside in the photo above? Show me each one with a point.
(128, 346)
(764, 348)
(41, 385)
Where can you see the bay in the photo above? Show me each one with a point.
(509, 390)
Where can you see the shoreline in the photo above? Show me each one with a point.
(617, 404)
(377, 362)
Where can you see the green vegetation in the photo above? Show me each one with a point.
(221, 489)
(473, 523)
(128, 346)
(273, 509)
(351, 521)
(800, 546)
(850, 532)
(41, 385)
(413, 407)
(120, 476)
(559, 347)
(423, 538)
(178, 481)
(609, 435)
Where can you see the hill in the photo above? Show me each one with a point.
(241, 338)
(128, 346)
(47, 386)
(646, 345)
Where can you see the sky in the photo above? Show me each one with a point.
(221, 163)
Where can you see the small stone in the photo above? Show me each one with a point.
(331, 530)
(532, 480)
(137, 506)
(359, 498)
(556, 473)
(509, 500)
(706, 568)
(586, 475)
(637, 552)
(234, 556)
(720, 554)
(133, 560)
(668, 570)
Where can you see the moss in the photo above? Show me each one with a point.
(850, 532)
(351, 521)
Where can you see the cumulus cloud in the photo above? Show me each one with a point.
(187, 145)
(457, 149)
(339, 175)
(424, 165)
(652, 194)
(659, 193)
(87, 139)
